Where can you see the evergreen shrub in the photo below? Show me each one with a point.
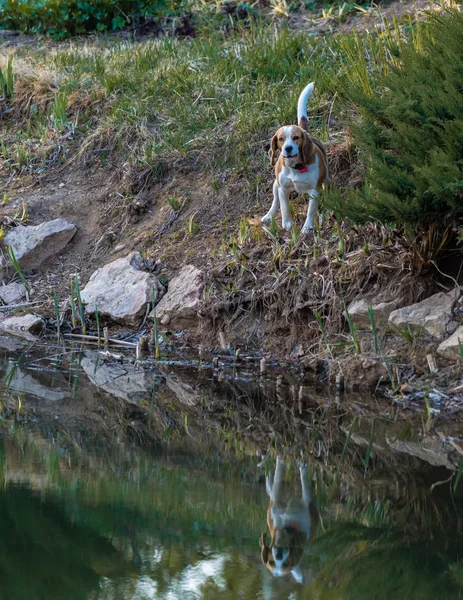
(410, 133)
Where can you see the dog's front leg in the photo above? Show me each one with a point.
(273, 209)
(313, 206)
(285, 210)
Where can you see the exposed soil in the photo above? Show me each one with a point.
(257, 306)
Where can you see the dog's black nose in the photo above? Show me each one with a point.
(278, 553)
(288, 149)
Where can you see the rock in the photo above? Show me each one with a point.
(121, 290)
(358, 311)
(432, 314)
(12, 293)
(32, 245)
(15, 343)
(429, 449)
(450, 348)
(25, 323)
(363, 372)
(25, 382)
(187, 393)
(179, 307)
(452, 326)
(118, 380)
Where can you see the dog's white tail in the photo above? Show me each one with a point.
(302, 102)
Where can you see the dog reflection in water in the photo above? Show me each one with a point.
(292, 520)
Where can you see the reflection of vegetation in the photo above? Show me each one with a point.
(44, 555)
(131, 524)
(364, 563)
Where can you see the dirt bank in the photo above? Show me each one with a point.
(265, 291)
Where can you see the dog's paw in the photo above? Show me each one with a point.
(303, 466)
(267, 219)
(306, 230)
(288, 225)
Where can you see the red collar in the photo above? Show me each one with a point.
(301, 167)
(293, 524)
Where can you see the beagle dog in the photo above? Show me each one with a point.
(291, 521)
(301, 166)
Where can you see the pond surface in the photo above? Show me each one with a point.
(122, 482)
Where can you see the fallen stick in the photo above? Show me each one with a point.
(8, 306)
(95, 338)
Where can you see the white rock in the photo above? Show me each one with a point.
(358, 311)
(32, 245)
(450, 348)
(432, 314)
(179, 307)
(121, 290)
(24, 323)
(12, 293)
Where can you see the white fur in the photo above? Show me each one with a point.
(304, 183)
(302, 102)
(289, 149)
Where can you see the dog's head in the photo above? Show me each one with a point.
(293, 143)
(285, 551)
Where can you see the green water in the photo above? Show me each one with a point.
(162, 494)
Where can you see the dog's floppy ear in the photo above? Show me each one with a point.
(307, 149)
(273, 149)
(265, 549)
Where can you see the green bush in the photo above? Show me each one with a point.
(62, 18)
(410, 133)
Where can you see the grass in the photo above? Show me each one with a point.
(57, 315)
(374, 331)
(17, 267)
(7, 79)
(213, 99)
(80, 306)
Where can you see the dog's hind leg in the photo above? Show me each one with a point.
(313, 206)
(273, 209)
(305, 484)
(278, 480)
(269, 484)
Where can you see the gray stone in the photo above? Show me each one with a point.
(32, 245)
(25, 382)
(358, 311)
(121, 381)
(121, 290)
(12, 293)
(450, 348)
(429, 449)
(431, 315)
(452, 326)
(179, 307)
(22, 324)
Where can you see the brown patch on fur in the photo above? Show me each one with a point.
(309, 149)
(273, 148)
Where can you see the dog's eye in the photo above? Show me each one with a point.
(281, 139)
(295, 138)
